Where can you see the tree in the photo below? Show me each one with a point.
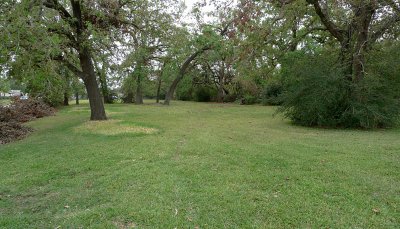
(356, 25)
(77, 28)
(147, 42)
(208, 40)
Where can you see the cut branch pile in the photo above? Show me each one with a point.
(12, 131)
(18, 112)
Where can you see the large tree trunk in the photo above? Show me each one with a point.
(88, 75)
(354, 39)
(89, 78)
(364, 15)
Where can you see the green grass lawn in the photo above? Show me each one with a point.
(197, 165)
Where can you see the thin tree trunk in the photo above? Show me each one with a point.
(66, 99)
(220, 95)
(76, 98)
(221, 77)
(101, 72)
(139, 93)
(158, 89)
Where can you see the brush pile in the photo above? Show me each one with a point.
(18, 112)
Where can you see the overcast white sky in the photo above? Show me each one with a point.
(190, 3)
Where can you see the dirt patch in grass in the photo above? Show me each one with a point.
(112, 127)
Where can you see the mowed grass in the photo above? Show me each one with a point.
(201, 166)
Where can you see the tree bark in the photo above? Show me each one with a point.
(158, 89)
(172, 88)
(76, 98)
(101, 72)
(139, 92)
(66, 99)
(364, 15)
(353, 40)
(88, 74)
(89, 78)
(221, 94)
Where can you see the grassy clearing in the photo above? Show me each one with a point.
(206, 166)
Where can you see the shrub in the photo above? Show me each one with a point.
(316, 93)
(272, 94)
(249, 100)
(204, 94)
(184, 91)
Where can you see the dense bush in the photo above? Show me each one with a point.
(248, 99)
(272, 94)
(246, 91)
(204, 94)
(316, 93)
(184, 91)
(376, 100)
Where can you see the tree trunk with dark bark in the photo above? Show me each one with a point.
(221, 94)
(66, 99)
(88, 75)
(102, 75)
(353, 40)
(76, 98)
(89, 78)
(172, 88)
(158, 89)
